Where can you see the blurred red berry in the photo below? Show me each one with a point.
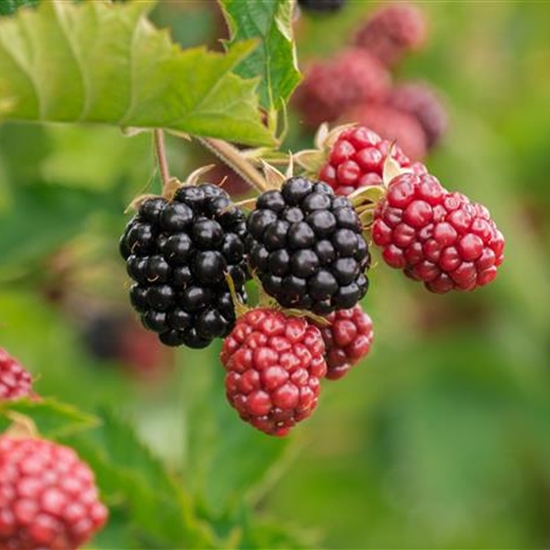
(15, 380)
(48, 497)
(421, 101)
(392, 31)
(329, 87)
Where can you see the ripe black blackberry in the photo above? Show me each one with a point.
(306, 246)
(178, 253)
(321, 6)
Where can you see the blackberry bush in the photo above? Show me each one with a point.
(306, 247)
(178, 252)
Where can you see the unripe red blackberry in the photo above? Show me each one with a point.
(48, 497)
(321, 6)
(15, 380)
(329, 87)
(307, 248)
(357, 157)
(178, 253)
(348, 338)
(274, 364)
(390, 124)
(392, 31)
(421, 101)
(437, 237)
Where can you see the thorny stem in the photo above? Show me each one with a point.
(233, 158)
(160, 151)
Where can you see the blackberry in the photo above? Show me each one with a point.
(436, 237)
(178, 253)
(392, 31)
(321, 6)
(15, 380)
(356, 159)
(348, 338)
(274, 364)
(329, 87)
(306, 246)
(48, 496)
(421, 101)
(392, 125)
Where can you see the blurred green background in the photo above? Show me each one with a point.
(441, 438)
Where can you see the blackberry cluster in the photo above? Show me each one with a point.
(321, 6)
(437, 237)
(178, 253)
(48, 497)
(15, 380)
(307, 248)
(274, 364)
(356, 160)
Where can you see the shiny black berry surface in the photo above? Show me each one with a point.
(321, 6)
(307, 247)
(177, 253)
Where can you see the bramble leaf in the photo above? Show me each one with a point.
(275, 59)
(53, 419)
(106, 63)
(220, 442)
(8, 7)
(133, 480)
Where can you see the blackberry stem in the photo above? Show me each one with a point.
(233, 158)
(160, 151)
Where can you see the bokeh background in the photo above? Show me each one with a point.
(441, 438)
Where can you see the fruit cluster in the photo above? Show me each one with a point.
(306, 247)
(178, 252)
(437, 237)
(355, 85)
(48, 496)
(306, 243)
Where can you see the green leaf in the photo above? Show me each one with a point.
(53, 419)
(59, 211)
(105, 63)
(275, 59)
(132, 478)
(8, 7)
(269, 533)
(228, 460)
